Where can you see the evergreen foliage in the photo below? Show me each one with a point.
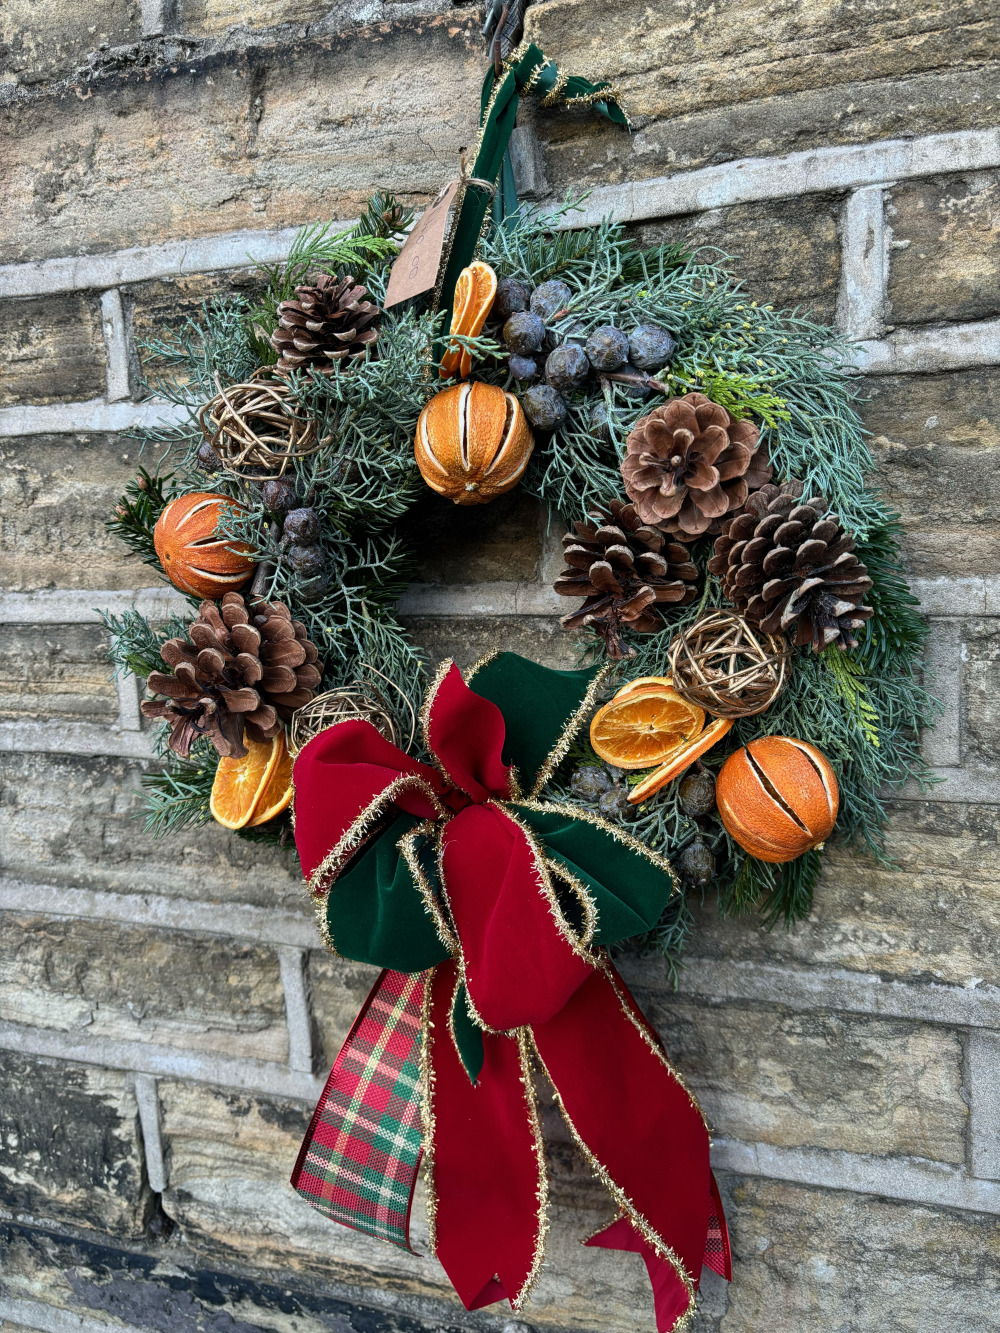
(863, 710)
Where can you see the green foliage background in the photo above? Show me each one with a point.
(791, 376)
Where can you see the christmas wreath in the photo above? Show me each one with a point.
(748, 685)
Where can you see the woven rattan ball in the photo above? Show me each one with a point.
(362, 699)
(726, 666)
(255, 430)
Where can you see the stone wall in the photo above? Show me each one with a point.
(166, 1017)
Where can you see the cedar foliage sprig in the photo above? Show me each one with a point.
(136, 513)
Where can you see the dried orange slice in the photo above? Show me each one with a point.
(684, 758)
(644, 727)
(648, 683)
(239, 783)
(474, 292)
(277, 791)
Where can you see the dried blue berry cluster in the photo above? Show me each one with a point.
(552, 367)
(300, 532)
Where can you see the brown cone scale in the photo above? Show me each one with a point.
(247, 667)
(689, 463)
(789, 567)
(624, 569)
(328, 324)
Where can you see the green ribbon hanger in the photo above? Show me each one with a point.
(528, 70)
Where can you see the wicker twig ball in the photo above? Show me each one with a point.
(726, 666)
(361, 699)
(255, 430)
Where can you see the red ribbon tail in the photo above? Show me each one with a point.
(640, 1129)
(718, 1256)
(485, 1165)
(670, 1296)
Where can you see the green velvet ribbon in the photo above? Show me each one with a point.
(375, 911)
(527, 70)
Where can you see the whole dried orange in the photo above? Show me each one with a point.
(193, 557)
(778, 797)
(239, 783)
(644, 726)
(473, 443)
(277, 791)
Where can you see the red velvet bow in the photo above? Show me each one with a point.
(542, 998)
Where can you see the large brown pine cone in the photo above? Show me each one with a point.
(623, 568)
(248, 665)
(689, 463)
(329, 323)
(788, 565)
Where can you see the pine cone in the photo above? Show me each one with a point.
(622, 568)
(328, 323)
(246, 667)
(688, 464)
(787, 563)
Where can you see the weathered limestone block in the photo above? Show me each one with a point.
(757, 80)
(811, 1259)
(826, 1080)
(936, 441)
(935, 917)
(43, 40)
(339, 989)
(169, 303)
(466, 639)
(69, 1147)
(198, 17)
(787, 253)
(981, 681)
(69, 819)
(51, 349)
(56, 671)
(200, 992)
(56, 491)
(260, 138)
(945, 259)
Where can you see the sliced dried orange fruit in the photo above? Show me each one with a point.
(277, 791)
(239, 783)
(474, 292)
(684, 758)
(648, 683)
(644, 727)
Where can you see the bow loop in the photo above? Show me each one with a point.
(465, 733)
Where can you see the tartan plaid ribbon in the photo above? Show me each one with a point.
(358, 1162)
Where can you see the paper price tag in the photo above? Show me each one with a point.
(417, 264)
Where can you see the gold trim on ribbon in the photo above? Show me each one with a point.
(591, 914)
(358, 831)
(427, 1105)
(544, 881)
(559, 751)
(602, 965)
(523, 1038)
(407, 848)
(555, 93)
(645, 1229)
(613, 830)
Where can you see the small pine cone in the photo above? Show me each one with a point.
(244, 669)
(689, 464)
(623, 568)
(328, 324)
(788, 565)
